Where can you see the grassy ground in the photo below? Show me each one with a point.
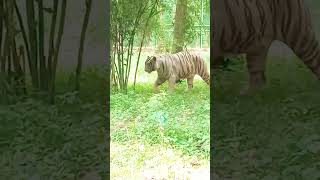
(61, 141)
(274, 134)
(160, 135)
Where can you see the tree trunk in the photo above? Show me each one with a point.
(179, 26)
(82, 39)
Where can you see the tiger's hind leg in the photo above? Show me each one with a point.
(205, 76)
(256, 65)
(308, 50)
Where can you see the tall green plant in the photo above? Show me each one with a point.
(160, 32)
(152, 13)
(42, 66)
(126, 18)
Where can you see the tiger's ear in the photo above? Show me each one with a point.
(153, 58)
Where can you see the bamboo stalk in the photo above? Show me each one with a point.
(51, 49)
(9, 57)
(1, 27)
(16, 64)
(42, 61)
(23, 31)
(33, 43)
(6, 45)
(23, 59)
(2, 51)
(57, 48)
(122, 60)
(131, 41)
(19, 76)
(152, 13)
(4, 54)
(82, 39)
(14, 68)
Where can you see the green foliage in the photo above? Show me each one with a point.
(193, 18)
(128, 18)
(169, 120)
(61, 141)
(273, 134)
(160, 31)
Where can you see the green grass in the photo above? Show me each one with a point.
(178, 122)
(273, 134)
(61, 141)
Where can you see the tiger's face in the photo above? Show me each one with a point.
(150, 64)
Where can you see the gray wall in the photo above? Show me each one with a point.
(95, 45)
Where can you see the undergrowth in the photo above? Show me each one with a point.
(61, 141)
(272, 134)
(180, 119)
(177, 122)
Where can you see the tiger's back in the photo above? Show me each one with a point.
(250, 27)
(240, 26)
(184, 65)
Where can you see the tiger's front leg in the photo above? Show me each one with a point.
(157, 83)
(256, 65)
(172, 81)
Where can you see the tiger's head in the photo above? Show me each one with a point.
(150, 64)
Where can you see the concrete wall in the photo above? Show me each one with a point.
(95, 44)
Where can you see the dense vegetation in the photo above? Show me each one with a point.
(273, 134)
(52, 119)
(61, 141)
